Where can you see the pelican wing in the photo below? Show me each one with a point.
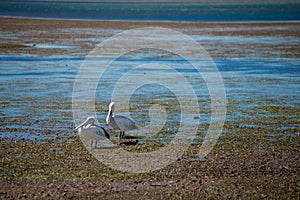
(103, 131)
(94, 132)
(124, 123)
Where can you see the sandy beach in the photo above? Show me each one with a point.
(256, 157)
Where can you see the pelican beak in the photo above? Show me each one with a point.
(76, 129)
(82, 124)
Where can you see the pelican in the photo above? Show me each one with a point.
(119, 122)
(89, 130)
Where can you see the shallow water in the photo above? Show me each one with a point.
(36, 90)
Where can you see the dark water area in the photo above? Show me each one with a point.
(152, 11)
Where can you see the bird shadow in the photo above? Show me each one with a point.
(129, 143)
(129, 137)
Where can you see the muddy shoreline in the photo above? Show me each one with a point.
(21, 35)
(256, 157)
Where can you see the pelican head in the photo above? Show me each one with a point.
(89, 120)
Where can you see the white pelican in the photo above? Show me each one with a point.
(119, 122)
(89, 130)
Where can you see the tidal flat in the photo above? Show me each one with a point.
(256, 156)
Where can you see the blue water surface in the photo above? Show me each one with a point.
(154, 11)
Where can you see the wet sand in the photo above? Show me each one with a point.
(19, 34)
(257, 161)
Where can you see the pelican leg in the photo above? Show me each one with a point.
(121, 134)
